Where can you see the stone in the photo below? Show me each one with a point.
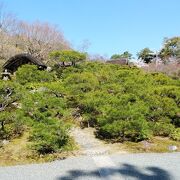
(4, 142)
(172, 148)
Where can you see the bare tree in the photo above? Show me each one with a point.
(8, 26)
(98, 57)
(85, 44)
(8, 21)
(38, 39)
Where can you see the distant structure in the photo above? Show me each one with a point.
(121, 61)
(18, 60)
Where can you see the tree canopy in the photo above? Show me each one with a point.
(125, 54)
(68, 56)
(171, 48)
(146, 55)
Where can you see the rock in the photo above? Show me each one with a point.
(172, 148)
(17, 105)
(32, 91)
(42, 89)
(4, 142)
(49, 69)
(146, 144)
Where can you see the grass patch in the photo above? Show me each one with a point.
(17, 152)
(156, 145)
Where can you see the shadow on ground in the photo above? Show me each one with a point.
(125, 171)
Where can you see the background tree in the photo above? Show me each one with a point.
(8, 25)
(85, 44)
(125, 54)
(146, 55)
(68, 56)
(171, 49)
(38, 39)
(116, 56)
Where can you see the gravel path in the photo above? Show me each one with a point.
(89, 145)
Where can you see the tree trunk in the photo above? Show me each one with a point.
(2, 125)
(73, 63)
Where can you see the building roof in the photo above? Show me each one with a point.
(16, 61)
(121, 61)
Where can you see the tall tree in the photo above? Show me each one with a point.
(116, 56)
(171, 49)
(125, 54)
(8, 26)
(67, 56)
(146, 55)
(39, 39)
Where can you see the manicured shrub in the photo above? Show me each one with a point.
(112, 97)
(30, 73)
(12, 125)
(161, 79)
(49, 138)
(134, 130)
(79, 83)
(162, 128)
(175, 135)
(122, 103)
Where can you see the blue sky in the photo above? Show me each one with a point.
(111, 26)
